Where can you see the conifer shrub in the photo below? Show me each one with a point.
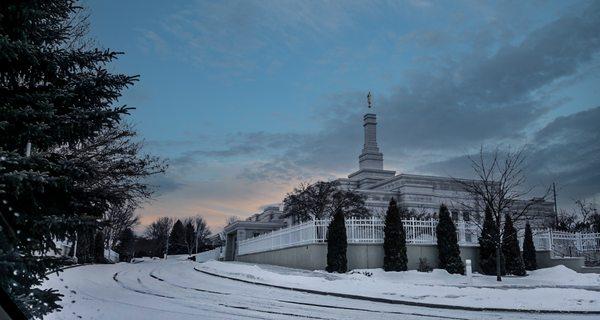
(394, 240)
(513, 263)
(447, 243)
(529, 259)
(337, 244)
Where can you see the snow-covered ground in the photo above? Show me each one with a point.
(557, 288)
(173, 289)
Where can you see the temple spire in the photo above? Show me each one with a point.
(370, 161)
(370, 157)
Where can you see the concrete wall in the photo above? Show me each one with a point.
(309, 257)
(545, 260)
(367, 256)
(360, 256)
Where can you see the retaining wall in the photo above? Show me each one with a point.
(367, 256)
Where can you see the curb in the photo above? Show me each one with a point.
(400, 302)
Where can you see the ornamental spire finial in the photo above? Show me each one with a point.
(369, 99)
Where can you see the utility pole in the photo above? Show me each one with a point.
(555, 207)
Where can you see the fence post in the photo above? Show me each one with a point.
(412, 223)
(352, 229)
(550, 241)
(372, 229)
(578, 241)
(433, 234)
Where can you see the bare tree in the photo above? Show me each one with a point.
(231, 220)
(118, 219)
(158, 231)
(583, 218)
(320, 200)
(202, 232)
(499, 186)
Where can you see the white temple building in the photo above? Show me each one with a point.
(420, 194)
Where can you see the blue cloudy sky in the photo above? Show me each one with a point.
(248, 98)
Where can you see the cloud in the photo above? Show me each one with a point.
(565, 151)
(492, 88)
(151, 41)
(243, 36)
(443, 114)
(479, 99)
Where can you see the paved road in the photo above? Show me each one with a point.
(172, 289)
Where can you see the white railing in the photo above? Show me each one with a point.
(214, 254)
(299, 234)
(571, 244)
(357, 231)
(370, 230)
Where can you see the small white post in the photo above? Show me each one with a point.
(75, 249)
(28, 149)
(469, 271)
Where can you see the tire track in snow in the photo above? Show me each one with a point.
(152, 275)
(115, 278)
(137, 290)
(275, 312)
(370, 310)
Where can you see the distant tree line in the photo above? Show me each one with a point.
(166, 236)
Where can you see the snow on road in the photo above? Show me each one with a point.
(557, 288)
(172, 289)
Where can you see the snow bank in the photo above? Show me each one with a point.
(557, 288)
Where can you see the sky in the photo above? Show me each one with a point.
(246, 99)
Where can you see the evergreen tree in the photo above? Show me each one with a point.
(177, 243)
(529, 259)
(513, 262)
(99, 248)
(487, 244)
(56, 93)
(337, 244)
(394, 240)
(447, 243)
(190, 234)
(125, 246)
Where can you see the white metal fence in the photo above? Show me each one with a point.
(567, 244)
(357, 231)
(370, 230)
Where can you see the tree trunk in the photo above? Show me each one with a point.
(498, 265)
